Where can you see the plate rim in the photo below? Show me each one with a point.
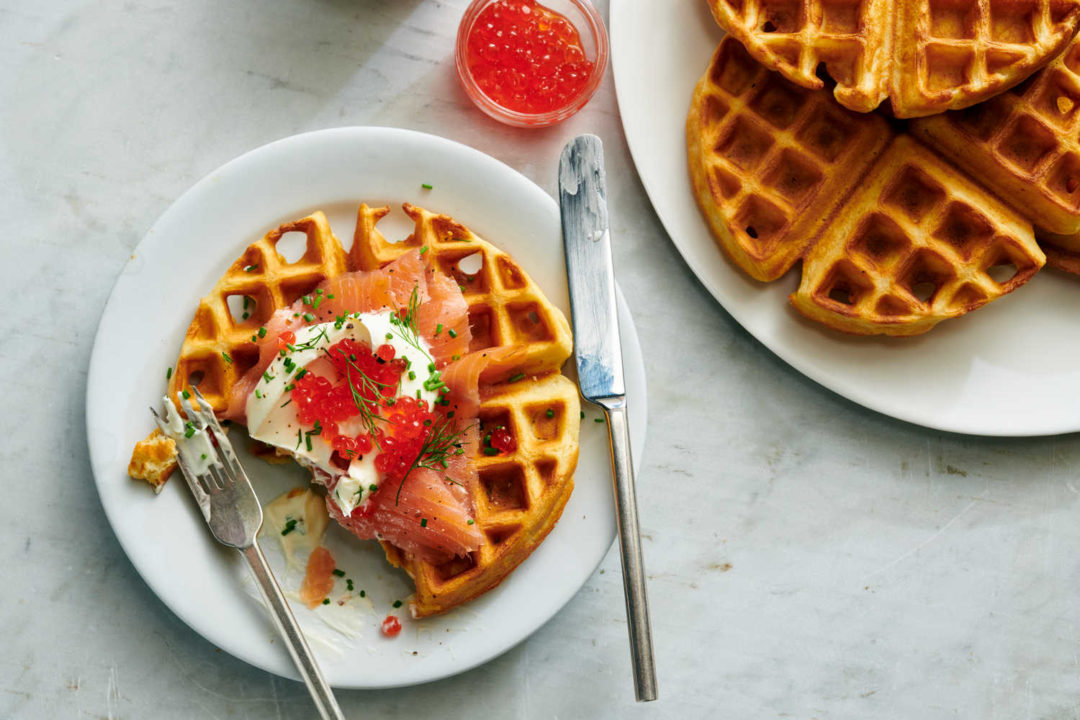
(620, 9)
(152, 238)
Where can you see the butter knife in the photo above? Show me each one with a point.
(598, 350)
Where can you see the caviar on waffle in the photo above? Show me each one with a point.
(426, 400)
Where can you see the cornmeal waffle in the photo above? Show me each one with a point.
(926, 57)
(521, 493)
(914, 245)
(893, 239)
(1025, 146)
(771, 161)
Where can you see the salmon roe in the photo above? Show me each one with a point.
(402, 438)
(391, 626)
(526, 57)
(324, 404)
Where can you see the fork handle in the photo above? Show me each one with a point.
(294, 639)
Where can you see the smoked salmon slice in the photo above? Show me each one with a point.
(431, 514)
(318, 580)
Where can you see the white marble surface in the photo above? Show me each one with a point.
(807, 558)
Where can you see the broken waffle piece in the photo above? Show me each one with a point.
(915, 244)
(153, 460)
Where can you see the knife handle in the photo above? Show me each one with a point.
(633, 566)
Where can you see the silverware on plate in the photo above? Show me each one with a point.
(228, 502)
(598, 350)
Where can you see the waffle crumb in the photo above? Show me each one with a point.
(153, 460)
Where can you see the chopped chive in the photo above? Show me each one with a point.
(308, 317)
(598, 420)
(339, 573)
(397, 603)
(225, 357)
(308, 438)
(426, 186)
(245, 316)
(519, 376)
(262, 332)
(452, 332)
(349, 584)
(203, 456)
(267, 376)
(326, 601)
(258, 394)
(455, 358)
(450, 414)
(389, 336)
(423, 250)
(290, 387)
(290, 525)
(550, 413)
(438, 328)
(300, 373)
(491, 451)
(373, 487)
(254, 338)
(186, 394)
(299, 438)
(582, 414)
(363, 594)
(168, 374)
(307, 299)
(285, 403)
(247, 302)
(412, 375)
(423, 522)
(251, 268)
(189, 429)
(470, 521)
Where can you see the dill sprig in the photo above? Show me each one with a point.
(442, 441)
(407, 326)
(367, 385)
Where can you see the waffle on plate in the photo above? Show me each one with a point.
(892, 237)
(507, 419)
(924, 57)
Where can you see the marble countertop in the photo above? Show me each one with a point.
(807, 558)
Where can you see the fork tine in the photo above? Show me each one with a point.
(201, 496)
(225, 450)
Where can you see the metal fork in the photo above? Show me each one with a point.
(228, 502)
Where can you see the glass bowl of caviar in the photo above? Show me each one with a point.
(531, 63)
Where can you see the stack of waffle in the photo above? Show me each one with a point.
(897, 225)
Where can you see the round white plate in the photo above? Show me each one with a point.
(143, 325)
(1008, 369)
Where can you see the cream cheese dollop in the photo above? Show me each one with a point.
(272, 418)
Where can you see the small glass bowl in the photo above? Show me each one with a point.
(594, 40)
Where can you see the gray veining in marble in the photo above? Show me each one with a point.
(808, 558)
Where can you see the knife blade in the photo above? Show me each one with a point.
(598, 352)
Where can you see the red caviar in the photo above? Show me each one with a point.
(408, 423)
(502, 440)
(526, 57)
(371, 377)
(391, 626)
